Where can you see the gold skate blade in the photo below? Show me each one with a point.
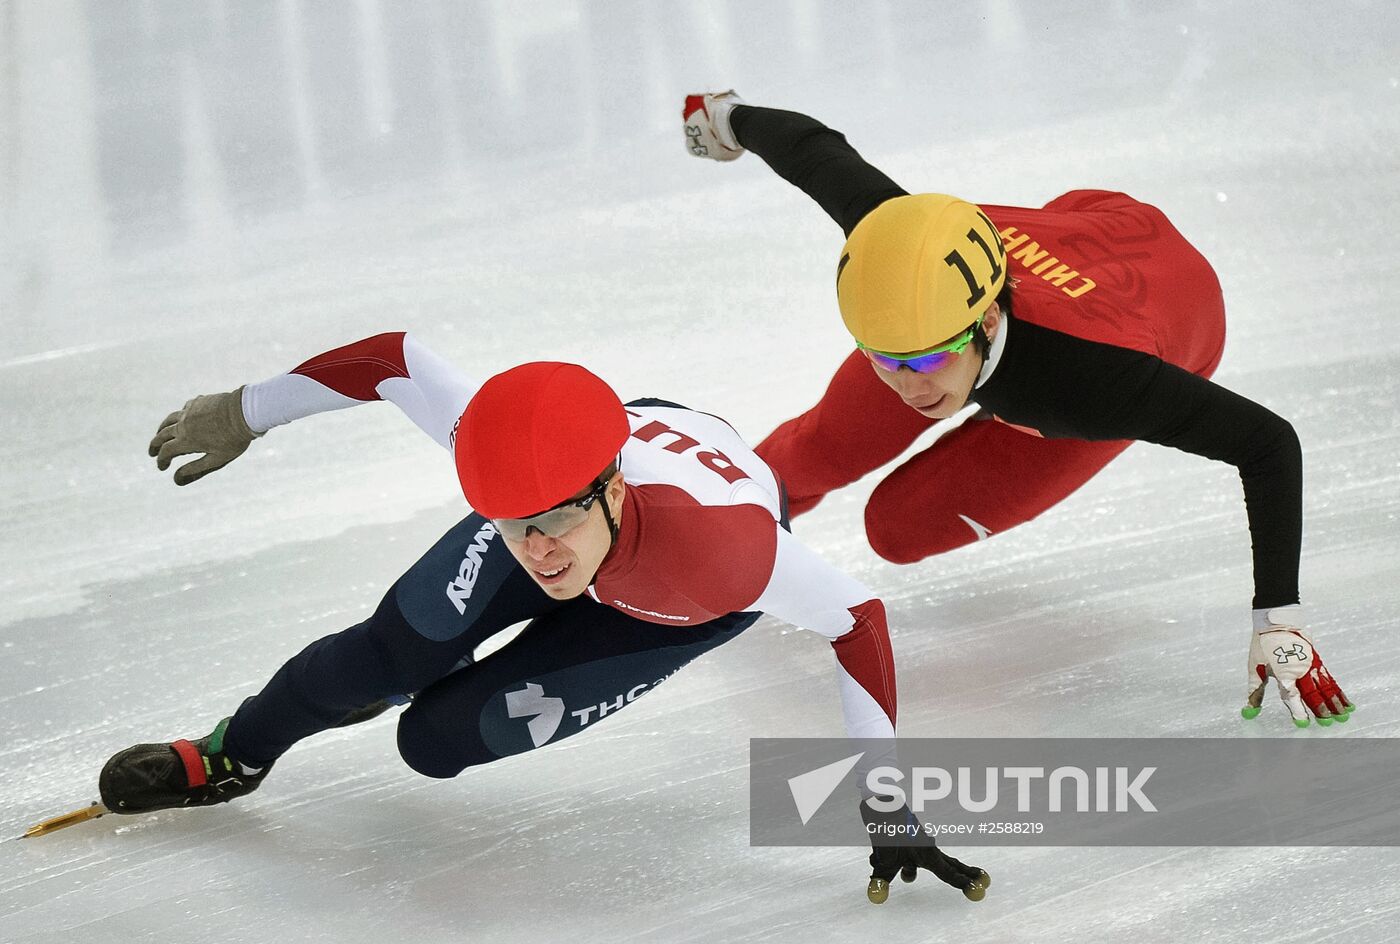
(56, 823)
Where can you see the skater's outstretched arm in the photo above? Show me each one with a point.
(393, 367)
(806, 153)
(808, 592)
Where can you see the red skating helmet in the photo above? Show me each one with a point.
(535, 436)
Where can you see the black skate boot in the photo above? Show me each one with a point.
(151, 777)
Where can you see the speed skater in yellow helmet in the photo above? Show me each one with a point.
(918, 270)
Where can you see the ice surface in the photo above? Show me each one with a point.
(198, 195)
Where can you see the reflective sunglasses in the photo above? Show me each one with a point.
(557, 521)
(924, 362)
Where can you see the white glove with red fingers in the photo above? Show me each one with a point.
(707, 131)
(1282, 650)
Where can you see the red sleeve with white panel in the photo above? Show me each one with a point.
(393, 367)
(807, 591)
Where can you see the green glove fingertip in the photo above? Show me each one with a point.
(1302, 722)
(1249, 713)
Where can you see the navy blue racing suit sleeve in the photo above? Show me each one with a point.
(816, 160)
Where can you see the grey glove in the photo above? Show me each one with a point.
(212, 424)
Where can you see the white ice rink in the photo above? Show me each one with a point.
(196, 195)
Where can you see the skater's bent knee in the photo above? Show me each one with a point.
(893, 548)
(902, 538)
(430, 751)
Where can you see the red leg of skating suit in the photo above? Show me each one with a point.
(996, 476)
(858, 425)
(982, 478)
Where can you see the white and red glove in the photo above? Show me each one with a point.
(707, 131)
(1280, 649)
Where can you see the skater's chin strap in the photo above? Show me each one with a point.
(612, 523)
(607, 476)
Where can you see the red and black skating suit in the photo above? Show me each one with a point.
(1117, 322)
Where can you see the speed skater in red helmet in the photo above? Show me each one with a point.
(631, 538)
(1069, 331)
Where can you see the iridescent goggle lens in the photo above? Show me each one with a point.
(556, 522)
(925, 362)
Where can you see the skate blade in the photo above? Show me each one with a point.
(56, 823)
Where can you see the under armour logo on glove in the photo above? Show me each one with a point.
(1294, 652)
(694, 144)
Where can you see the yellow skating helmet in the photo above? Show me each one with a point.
(918, 270)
